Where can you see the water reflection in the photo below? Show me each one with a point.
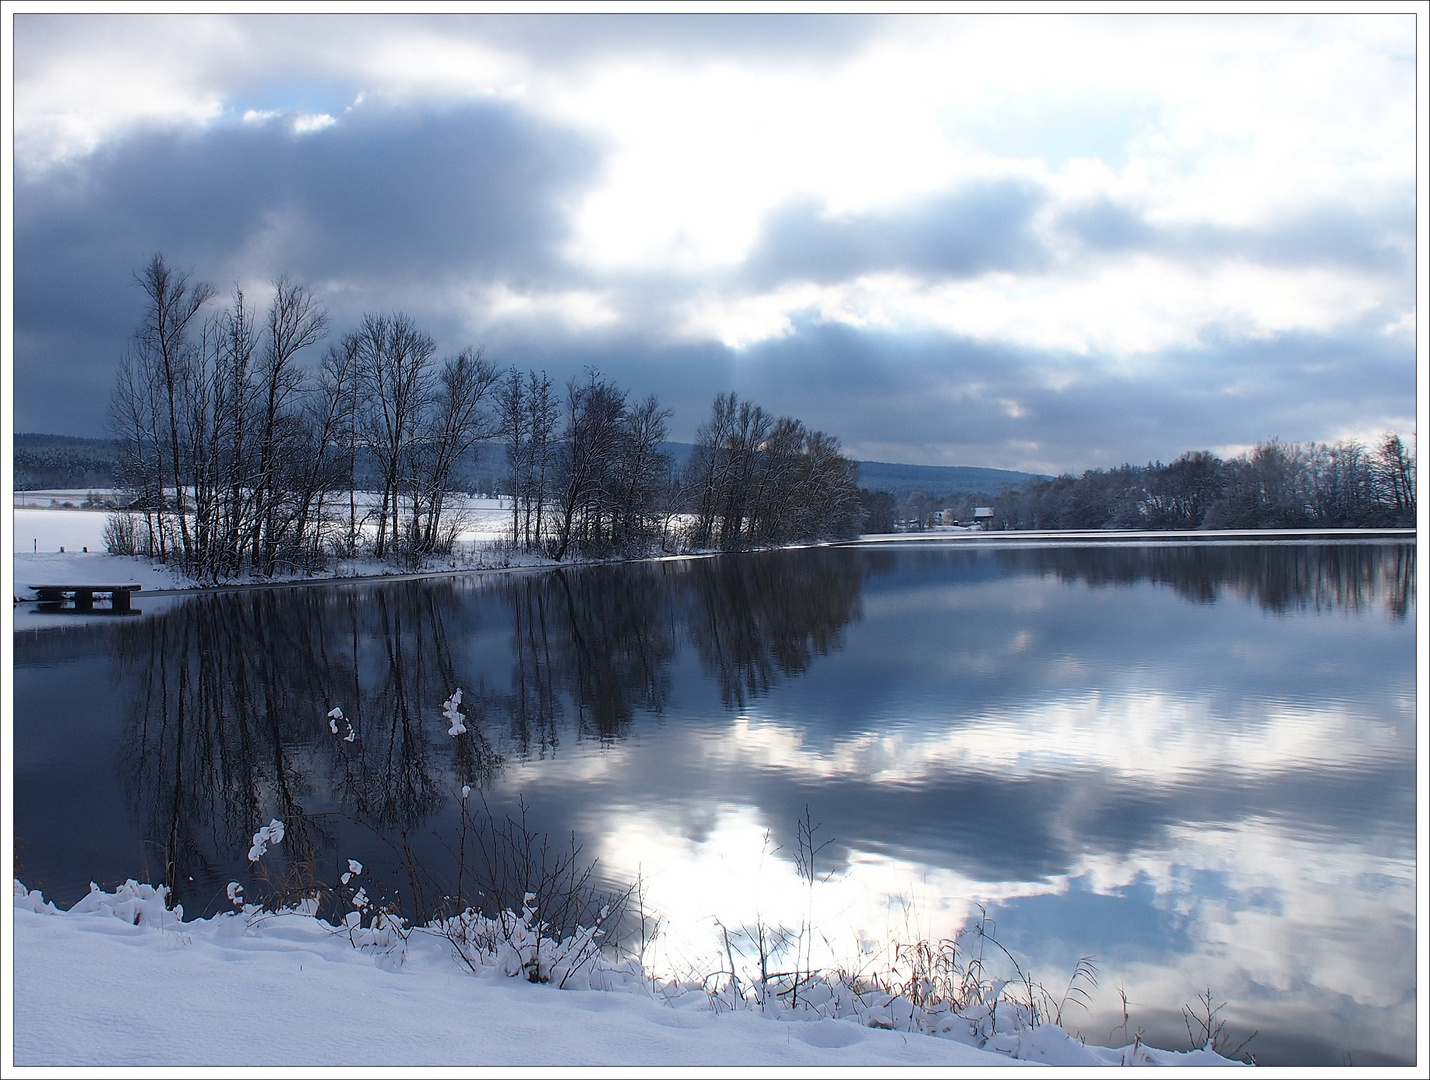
(1155, 772)
(758, 619)
(1280, 578)
(227, 697)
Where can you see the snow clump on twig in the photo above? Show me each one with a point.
(449, 711)
(334, 717)
(272, 833)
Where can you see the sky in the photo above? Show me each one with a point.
(1018, 241)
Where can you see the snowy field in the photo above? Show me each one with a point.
(120, 981)
(64, 545)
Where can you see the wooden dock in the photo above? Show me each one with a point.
(83, 595)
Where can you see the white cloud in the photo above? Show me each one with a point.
(1135, 737)
(1112, 313)
(577, 309)
(81, 80)
(306, 123)
(1235, 120)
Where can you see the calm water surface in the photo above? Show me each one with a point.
(1196, 764)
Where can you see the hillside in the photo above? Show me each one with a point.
(952, 480)
(65, 461)
(903, 480)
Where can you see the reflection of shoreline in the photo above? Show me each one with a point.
(537, 565)
(1139, 538)
(963, 538)
(1279, 578)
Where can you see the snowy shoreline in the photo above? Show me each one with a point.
(68, 532)
(119, 980)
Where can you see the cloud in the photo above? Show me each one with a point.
(945, 399)
(384, 209)
(1044, 244)
(1375, 240)
(979, 227)
(587, 38)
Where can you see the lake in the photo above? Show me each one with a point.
(1192, 762)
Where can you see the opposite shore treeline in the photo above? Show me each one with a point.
(238, 458)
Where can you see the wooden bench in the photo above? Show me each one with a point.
(84, 595)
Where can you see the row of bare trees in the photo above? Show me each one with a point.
(1275, 485)
(590, 477)
(239, 456)
(234, 450)
(755, 479)
(218, 458)
(412, 421)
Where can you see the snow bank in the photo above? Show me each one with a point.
(119, 980)
(59, 546)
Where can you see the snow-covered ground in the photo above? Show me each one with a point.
(120, 981)
(57, 544)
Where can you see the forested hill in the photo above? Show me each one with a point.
(63, 461)
(66, 461)
(954, 481)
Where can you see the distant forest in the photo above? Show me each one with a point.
(66, 461)
(63, 461)
(1275, 486)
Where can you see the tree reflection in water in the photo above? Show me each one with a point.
(1279, 577)
(756, 620)
(226, 724)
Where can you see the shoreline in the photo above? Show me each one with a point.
(972, 538)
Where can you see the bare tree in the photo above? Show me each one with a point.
(338, 389)
(217, 418)
(529, 414)
(757, 479)
(295, 321)
(394, 374)
(709, 468)
(165, 356)
(134, 421)
(459, 423)
(516, 434)
(1395, 471)
(595, 411)
(643, 472)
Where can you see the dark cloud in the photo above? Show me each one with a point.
(941, 399)
(380, 193)
(704, 36)
(963, 233)
(1378, 241)
(383, 202)
(394, 208)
